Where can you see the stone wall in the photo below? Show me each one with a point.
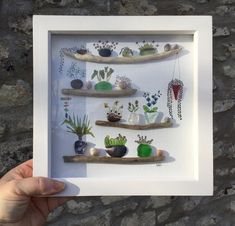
(16, 112)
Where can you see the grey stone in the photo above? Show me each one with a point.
(207, 220)
(136, 7)
(181, 222)
(223, 105)
(15, 95)
(124, 207)
(56, 213)
(158, 201)
(107, 200)
(228, 2)
(145, 219)
(224, 10)
(224, 149)
(4, 51)
(23, 24)
(191, 203)
(220, 58)
(222, 172)
(202, 1)
(229, 70)
(185, 9)
(164, 215)
(232, 206)
(3, 128)
(230, 48)
(75, 207)
(221, 31)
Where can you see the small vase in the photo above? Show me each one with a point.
(105, 52)
(80, 147)
(147, 51)
(76, 84)
(150, 117)
(103, 86)
(144, 150)
(117, 151)
(134, 118)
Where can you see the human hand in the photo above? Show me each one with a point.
(19, 201)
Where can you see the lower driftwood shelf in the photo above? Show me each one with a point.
(97, 93)
(112, 160)
(166, 124)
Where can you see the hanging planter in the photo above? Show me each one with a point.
(176, 87)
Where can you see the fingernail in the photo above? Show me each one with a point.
(58, 185)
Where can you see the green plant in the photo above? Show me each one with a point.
(75, 72)
(143, 140)
(133, 107)
(78, 126)
(103, 75)
(147, 45)
(151, 100)
(105, 45)
(112, 142)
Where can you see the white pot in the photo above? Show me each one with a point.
(150, 117)
(134, 118)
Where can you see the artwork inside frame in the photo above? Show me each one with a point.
(121, 106)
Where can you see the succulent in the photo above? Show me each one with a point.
(133, 107)
(143, 140)
(103, 75)
(105, 45)
(151, 100)
(112, 142)
(147, 45)
(77, 126)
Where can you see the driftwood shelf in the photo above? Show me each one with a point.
(112, 160)
(122, 60)
(95, 93)
(166, 124)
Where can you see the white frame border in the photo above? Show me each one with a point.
(200, 27)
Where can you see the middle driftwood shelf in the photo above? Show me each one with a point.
(97, 93)
(167, 124)
(112, 160)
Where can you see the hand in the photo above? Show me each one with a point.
(19, 204)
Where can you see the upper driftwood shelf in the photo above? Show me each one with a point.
(122, 60)
(96, 93)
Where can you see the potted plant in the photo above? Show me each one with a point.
(144, 148)
(115, 147)
(126, 52)
(114, 113)
(122, 82)
(133, 108)
(81, 128)
(105, 48)
(76, 74)
(103, 77)
(147, 48)
(82, 50)
(150, 109)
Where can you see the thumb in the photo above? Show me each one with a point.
(38, 186)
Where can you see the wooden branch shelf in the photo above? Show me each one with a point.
(166, 124)
(96, 93)
(122, 60)
(112, 160)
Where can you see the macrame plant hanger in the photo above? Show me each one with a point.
(175, 91)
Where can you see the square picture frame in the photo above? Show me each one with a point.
(191, 172)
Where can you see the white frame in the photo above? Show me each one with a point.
(200, 27)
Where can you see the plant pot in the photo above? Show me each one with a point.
(176, 89)
(112, 117)
(133, 118)
(82, 51)
(80, 147)
(103, 86)
(117, 151)
(150, 117)
(144, 150)
(105, 52)
(147, 51)
(76, 84)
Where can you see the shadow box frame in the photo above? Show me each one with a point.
(200, 27)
